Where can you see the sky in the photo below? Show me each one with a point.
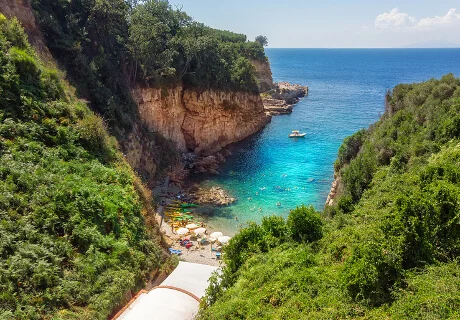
(334, 24)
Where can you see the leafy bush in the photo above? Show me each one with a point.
(349, 149)
(371, 272)
(94, 137)
(431, 293)
(74, 239)
(305, 224)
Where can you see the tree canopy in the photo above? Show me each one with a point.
(262, 40)
(109, 45)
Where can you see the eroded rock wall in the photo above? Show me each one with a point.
(263, 75)
(198, 121)
(201, 121)
(22, 10)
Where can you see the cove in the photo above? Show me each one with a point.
(346, 93)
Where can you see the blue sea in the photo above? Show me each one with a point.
(346, 93)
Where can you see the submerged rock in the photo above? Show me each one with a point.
(213, 195)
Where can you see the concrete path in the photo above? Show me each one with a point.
(177, 298)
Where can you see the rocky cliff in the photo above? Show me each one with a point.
(202, 122)
(263, 74)
(140, 149)
(21, 9)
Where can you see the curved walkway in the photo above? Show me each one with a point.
(177, 298)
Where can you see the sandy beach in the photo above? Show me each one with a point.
(200, 251)
(197, 253)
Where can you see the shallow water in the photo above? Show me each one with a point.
(346, 93)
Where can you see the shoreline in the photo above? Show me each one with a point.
(202, 253)
(279, 100)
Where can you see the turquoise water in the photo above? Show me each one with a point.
(347, 90)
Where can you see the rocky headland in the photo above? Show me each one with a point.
(282, 98)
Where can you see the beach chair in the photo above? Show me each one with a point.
(218, 255)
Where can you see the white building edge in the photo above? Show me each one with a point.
(177, 298)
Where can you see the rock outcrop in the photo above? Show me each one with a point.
(214, 196)
(282, 98)
(263, 75)
(21, 9)
(334, 191)
(202, 122)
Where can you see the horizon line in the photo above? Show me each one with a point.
(331, 48)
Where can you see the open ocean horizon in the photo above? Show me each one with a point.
(346, 93)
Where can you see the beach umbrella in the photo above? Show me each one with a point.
(183, 217)
(216, 235)
(199, 231)
(182, 231)
(191, 226)
(223, 239)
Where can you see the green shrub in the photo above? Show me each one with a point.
(349, 149)
(345, 203)
(431, 293)
(357, 177)
(26, 65)
(371, 272)
(305, 224)
(74, 239)
(94, 136)
(248, 241)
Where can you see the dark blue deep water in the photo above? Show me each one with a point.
(347, 90)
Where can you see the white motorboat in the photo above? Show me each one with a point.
(296, 134)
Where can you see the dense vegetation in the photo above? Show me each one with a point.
(73, 216)
(389, 248)
(107, 45)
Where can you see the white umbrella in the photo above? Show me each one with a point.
(182, 231)
(191, 226)
(216, 235)
(199, 231)
(223, 239)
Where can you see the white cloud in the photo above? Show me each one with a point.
(393, 19)
(397, 19)
(451, 17)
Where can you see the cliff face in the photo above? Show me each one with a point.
(264, 75)
(200, 122)
(22, 10)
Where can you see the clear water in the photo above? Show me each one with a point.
(347, 90)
